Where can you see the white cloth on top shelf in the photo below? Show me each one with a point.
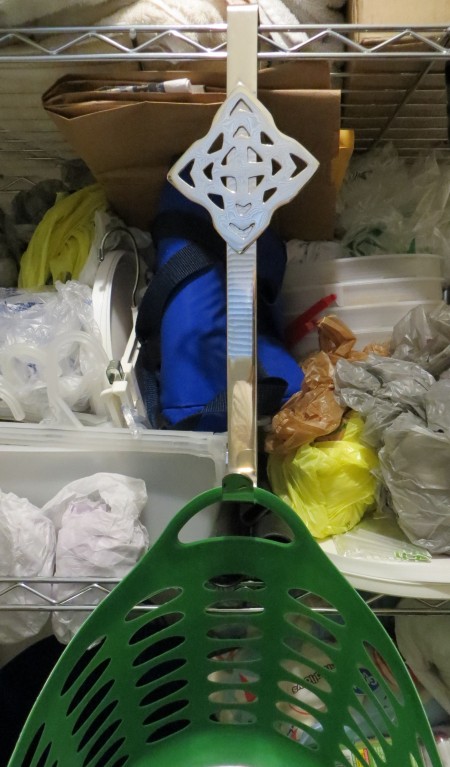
(423, 641)
(172, 13)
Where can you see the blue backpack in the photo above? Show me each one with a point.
(181, 323)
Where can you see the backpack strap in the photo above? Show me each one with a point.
(204, 249)
(184, 264)
(270, 391)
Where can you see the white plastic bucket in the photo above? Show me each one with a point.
(380, 267)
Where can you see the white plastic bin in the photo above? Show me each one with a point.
(367, 317)
(36, 463)
(296, 300)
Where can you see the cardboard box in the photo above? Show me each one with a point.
(405, 13)
(130, 145)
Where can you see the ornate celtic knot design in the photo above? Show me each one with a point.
(243, 169)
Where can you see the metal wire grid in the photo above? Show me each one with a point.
(156, 42)
(101, 587)
(392, 81)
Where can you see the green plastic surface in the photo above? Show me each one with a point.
(209, 675)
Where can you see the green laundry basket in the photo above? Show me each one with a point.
(199, 655)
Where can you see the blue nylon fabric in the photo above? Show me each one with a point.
(192, 328)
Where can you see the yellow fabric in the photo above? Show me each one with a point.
(328, 483)
(61, 241)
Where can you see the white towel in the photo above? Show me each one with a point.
(423, 641)
(171, 12)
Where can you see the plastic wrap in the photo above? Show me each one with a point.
(52, 363)
(437, 406)
(414, 464)
(423, 337)
(368, 541)
(27, 550)
(390, 205)
(381, 389)
(99, 536)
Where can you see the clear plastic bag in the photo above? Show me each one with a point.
(423, 643)
(380, 540)
(389, 205)
(52, 362)
(27, 550)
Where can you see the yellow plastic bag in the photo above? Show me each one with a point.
(330, 482)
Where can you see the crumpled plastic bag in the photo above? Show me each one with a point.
(315, 411)
(52, 361)
(99, 536)
(390, 205)
(338, 341)
(381, 388)
(423, 336)
(329, 483)
(27, 550)
(414, 464)
(437, 406)
(310, 413)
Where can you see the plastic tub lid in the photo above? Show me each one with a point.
(375, 267)
(401, 578)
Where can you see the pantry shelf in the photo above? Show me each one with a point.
(35, 595)
(392, 81)
(340, 42)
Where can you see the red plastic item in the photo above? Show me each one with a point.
(304, 323)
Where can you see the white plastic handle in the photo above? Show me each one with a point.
(11, 401)
(53, 380)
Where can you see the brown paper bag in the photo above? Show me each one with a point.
(129, 145)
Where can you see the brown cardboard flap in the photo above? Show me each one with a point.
(305, 75)
(403, 13)
(129, 147)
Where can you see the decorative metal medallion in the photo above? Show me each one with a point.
(243, 169)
